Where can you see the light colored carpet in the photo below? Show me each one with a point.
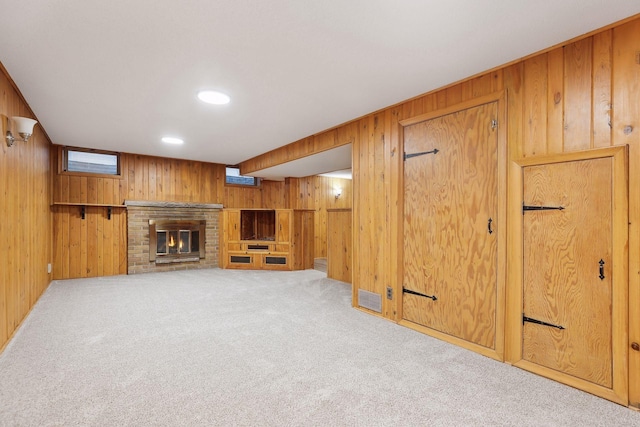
(232, 348)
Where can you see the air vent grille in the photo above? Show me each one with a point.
(370, 300)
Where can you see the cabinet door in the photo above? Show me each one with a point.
(275, 262)
(232, 226)
(243, 260)
(283, 231)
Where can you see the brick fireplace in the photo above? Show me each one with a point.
(143, 219)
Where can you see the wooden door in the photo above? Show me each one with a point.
(451, 224)
(302, 239)
(568, 270)
(339, 244)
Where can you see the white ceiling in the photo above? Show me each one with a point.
(121, 74)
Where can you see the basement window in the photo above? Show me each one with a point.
(234, 177)
(91, 161)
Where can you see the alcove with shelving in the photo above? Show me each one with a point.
(267, 239)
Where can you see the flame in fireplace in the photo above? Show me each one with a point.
(178, 242)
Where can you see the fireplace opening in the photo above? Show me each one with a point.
(176, 241)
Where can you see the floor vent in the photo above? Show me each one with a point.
(370, 300)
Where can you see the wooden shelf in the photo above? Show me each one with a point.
(84, 206)
(100, 205)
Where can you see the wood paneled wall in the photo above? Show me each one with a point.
(274, 195)
(318, 193)
(578, 96)
(243, 197)
(25, 225)
(144, 178)
(91, 247)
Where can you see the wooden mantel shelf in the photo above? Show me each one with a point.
(162, 204)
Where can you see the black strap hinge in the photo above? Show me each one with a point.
(539, 322)
(422, 153)
(409, 291)
(541, 208)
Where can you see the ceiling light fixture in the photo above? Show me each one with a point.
(172, 140)
(213, 97)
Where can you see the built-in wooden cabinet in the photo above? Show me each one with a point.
(267, 239)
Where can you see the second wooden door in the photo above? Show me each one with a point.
(574, 304)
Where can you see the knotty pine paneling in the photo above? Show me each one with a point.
(371, 251)
(318, 193)
(237, 196)
(91, 247)
(143, 178)
(273, 195)
(535, 109)
(25, 228)
(602, 51)
(625, 125)
(578, 124)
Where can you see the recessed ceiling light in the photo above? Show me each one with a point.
(172, 140)
(213, 97)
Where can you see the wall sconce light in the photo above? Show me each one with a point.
(338, 192)
(24, 127)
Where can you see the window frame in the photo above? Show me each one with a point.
(63, 159)
(256, 180)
